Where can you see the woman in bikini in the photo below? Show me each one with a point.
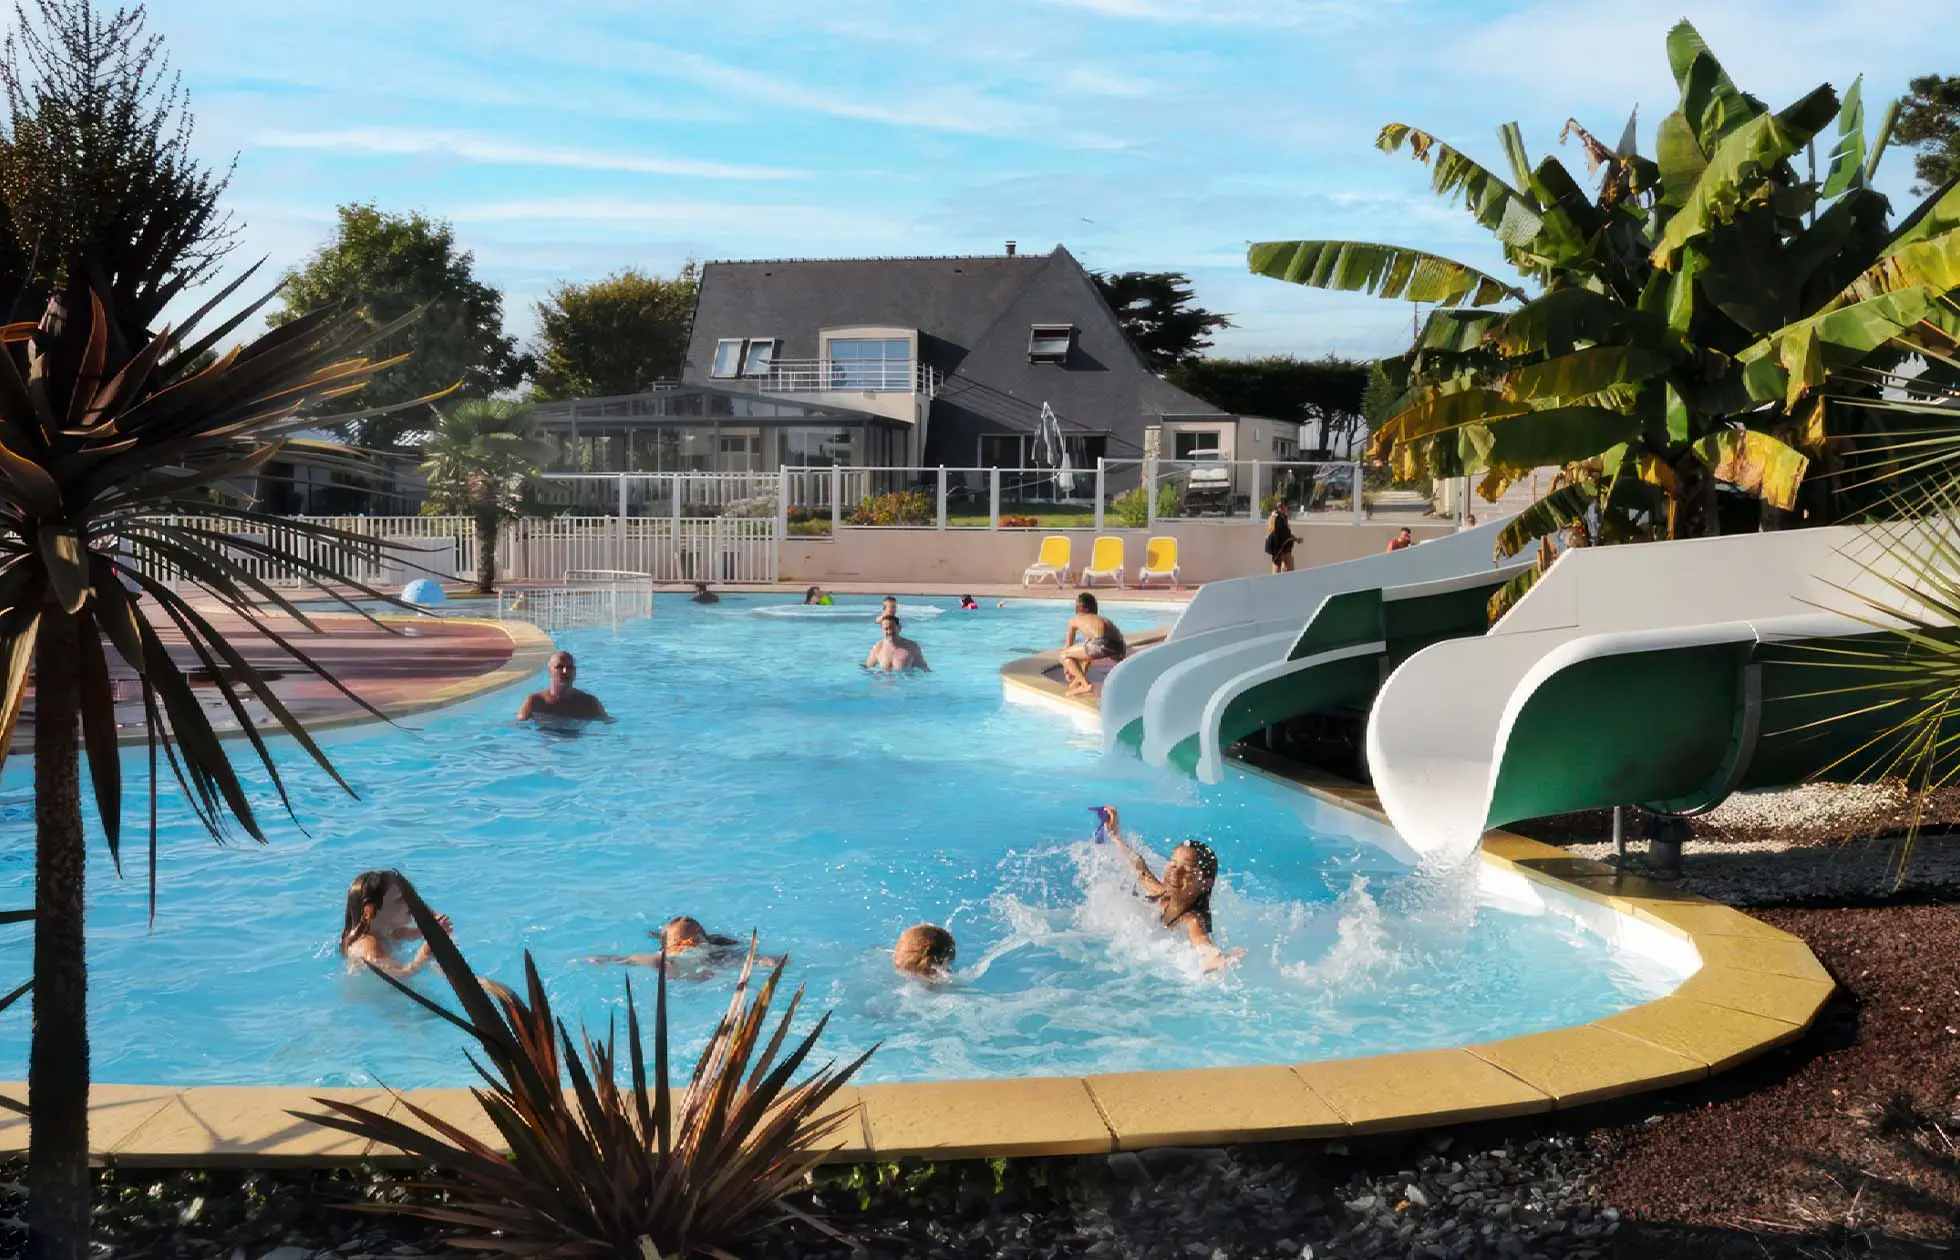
(1182, 894)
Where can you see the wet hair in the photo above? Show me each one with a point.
(891, 621)
(809, 593)
(891, 599)
(684, 921)
(923, 949)
(1086, 602)
(364, 898)
(1197, 904)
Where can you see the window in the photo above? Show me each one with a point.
(870, 363)
(1198, 445)
(728, 357)
(761, 351)
(1049, 343)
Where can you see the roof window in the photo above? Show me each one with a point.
(1049, 343)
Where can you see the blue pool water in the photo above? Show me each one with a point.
(758, 779)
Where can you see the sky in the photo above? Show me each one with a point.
(565, 142)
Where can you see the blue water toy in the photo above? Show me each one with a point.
(424, 591)
(1102, 822)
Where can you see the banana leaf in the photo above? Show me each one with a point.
(1738, 162)
(1558, 322)
(1709, 98)
(1755, 463)
(1388, 271)
(1810, 349)
(1847, 166)
(1548, 515)
(1583, 373)
(1453, 176)
(1560, 435)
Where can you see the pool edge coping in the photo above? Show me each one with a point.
(1757, 988)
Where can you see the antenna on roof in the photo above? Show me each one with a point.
(1010, 249)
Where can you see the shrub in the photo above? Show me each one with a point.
(903, 507)
(797, 514)
(1019, 522)
(819, 528)
(599, 1171)
(1133, 510)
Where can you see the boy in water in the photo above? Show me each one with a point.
(924, 951)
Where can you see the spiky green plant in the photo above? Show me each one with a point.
(609, 1172)
(105, 446)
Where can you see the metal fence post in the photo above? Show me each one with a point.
(782, 523)
(942, 496)
(836, 498)
(1360, 514)
(1252, 511)
(621, 562)
(993, 498)
(1102, 481)
(677, 502)
(1150, 492)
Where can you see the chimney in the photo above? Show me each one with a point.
(1010, 249)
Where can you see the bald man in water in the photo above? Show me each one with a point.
(560, 699)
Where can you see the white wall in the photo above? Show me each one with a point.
(1208, 551)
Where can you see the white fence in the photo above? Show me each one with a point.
(711, 549)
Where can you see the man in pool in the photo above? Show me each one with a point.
(560, 699)
(702, 595)
(896, 652)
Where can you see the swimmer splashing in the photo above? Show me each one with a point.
(1182, 894)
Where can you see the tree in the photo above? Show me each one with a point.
(1929, 121)
(1326, 392)
(1157, 315)
(95, 165)
(390, 265)
(1701, 320)
(613, 336)
(478, 461)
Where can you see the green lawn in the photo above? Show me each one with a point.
(1051, 515)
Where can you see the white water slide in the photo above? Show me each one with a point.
(1628, 675)
(1232, 629)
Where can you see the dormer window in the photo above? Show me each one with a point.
(728, 357)
(1049, 343)
(761, 352)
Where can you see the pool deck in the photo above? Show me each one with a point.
(1757, 988)
(414, 665)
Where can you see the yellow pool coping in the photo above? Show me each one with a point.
(1757, 988)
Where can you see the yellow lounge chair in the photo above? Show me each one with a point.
(1159, 560)
(1106, 560)
(1052, 562)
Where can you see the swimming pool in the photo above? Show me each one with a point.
(757, 778)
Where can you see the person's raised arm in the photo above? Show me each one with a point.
(1145, 880)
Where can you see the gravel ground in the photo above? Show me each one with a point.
(1820, 844)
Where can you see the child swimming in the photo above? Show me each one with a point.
(681, 937)
(925, 951)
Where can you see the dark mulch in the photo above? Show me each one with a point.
(1849, 1136)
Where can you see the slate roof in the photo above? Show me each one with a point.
(973, 315)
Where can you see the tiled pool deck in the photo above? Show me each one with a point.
(1757, 988)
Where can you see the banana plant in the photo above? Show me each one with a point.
(1692, 332)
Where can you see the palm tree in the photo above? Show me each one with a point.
(482, 454)
(106, 443)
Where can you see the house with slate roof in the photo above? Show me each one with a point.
(906, 362)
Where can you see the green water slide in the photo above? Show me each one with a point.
(1337, 663)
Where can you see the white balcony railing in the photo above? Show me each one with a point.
(821, 376)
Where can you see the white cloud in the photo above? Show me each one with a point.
(961, 114)
(400, 141)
